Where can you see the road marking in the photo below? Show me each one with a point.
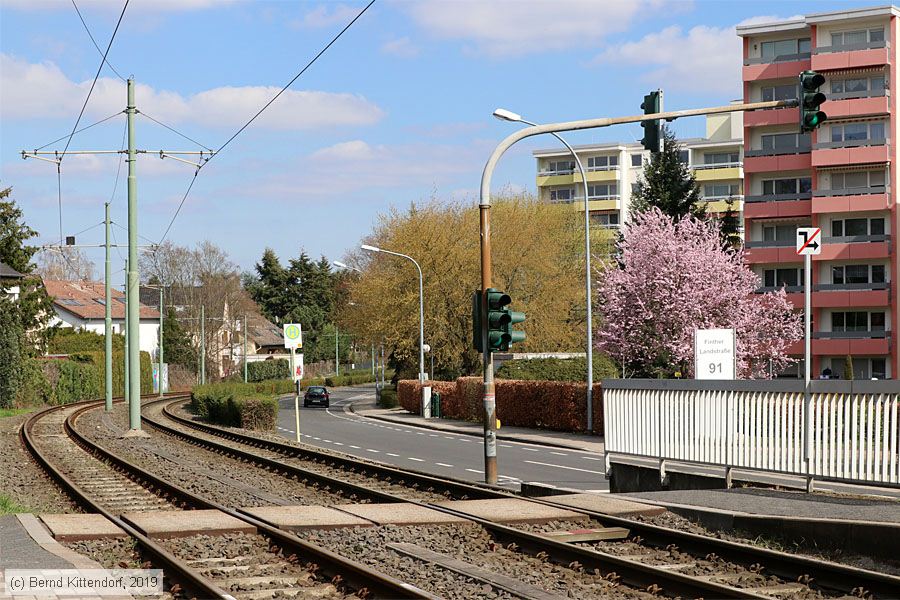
(327, 441)
(444, 465)
(432, 435)
(370, 450)
(319, 439)
(415, 459)
(356, 447)
(534, 462)
(391, 454)
(530, 449)
(419, 433)
(506, 446)
(590, 458)
(474, 471)
(559, 453)
(338, 444)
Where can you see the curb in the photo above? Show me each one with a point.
(500, 436)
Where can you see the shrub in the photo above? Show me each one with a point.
(249, 405)
(557, 369)
(388, 398)
(66, 340)
(259, 413)
(278, 368)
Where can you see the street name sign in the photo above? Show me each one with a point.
(293, 335)
(714, 354)
(809, 241)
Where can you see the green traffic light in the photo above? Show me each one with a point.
(810, 101)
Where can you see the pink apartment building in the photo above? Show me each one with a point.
(840, 178)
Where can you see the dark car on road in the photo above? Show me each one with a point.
(316, 394)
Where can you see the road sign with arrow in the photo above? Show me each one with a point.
(809, 241)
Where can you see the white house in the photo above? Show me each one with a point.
(82, 305)
(9, 280)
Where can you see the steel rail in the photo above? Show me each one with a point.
(342, 570)
(189, 577)
(632, 572)
(830, 575)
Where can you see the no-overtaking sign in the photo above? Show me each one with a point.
(293, 335)
(809, 240)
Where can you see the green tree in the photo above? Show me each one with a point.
(177, 346)
(11, 359)
(730, 226)
(34, 306)
(668, 183)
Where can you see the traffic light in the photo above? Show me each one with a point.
(810, 100)
(652, 104)
(500, 321)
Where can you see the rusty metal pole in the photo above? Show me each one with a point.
(490, 403)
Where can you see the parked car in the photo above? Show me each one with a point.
(316, 394)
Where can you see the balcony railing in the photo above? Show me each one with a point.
(850, 47)
(844, 287)
(851, 143)
(778, 197)
(857, 94)
(559, 172)
(592, 198)
(855, 239)
(800, 148)
(727, 165)
(853, 335)
(789, 289)
(776, 59)
(851, 191)
(735, 197)
(773, 243)
(601, 168)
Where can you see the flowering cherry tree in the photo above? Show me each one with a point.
(674, 277)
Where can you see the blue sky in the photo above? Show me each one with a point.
(398, 111)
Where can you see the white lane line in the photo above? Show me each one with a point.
(356, 447)
(590, 458)
(474, 471)
(415, 459)
(444, 465)
(559, 453)
(370, 450)
(432, 435)
(534, 462)
(329, 441)
(391, 454)
(419, 433)
(338, 444)
(506, 446)
(319, 439)
(530, 449)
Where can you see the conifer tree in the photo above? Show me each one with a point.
(668, 184)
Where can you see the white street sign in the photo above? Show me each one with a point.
(714, 354)
(809, 241)
(293, 335)
(298, 367)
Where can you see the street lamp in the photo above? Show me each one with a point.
(506, 115)
(341, 265)
(421, 306)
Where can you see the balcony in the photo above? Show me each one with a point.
(777, 205)
(855, 247)
(841, 295)
(719, 204)
(857, 104)
(611, 202)
(850, 56)
(850, 200)
(842, 343)
(852, 152)
(773, 116)
(784, 158)
(720, 172)
(770, 251)
(568, 177)
(783, 66)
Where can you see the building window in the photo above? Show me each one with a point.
(780, 233)
(857, 227)
(562, 195)
(879, 368)
(857, 179)
(859, 36)
(861, 85)
(721, 190)
(781, 277)
(606, 219)
(602, 162)
(784, 141)
(718, 158)
(795, 185)
(787, 91)
(785, 48)
(69, 302)
(857, 321)
(853, 132)
(683, 156)
(603, 190)
(637, 160)
(845, 274)
(561, 167)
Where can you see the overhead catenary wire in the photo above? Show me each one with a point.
(119, 167)
(94, 83)
(112, 116)
(178, 210)
(90, 35)
(175, 131)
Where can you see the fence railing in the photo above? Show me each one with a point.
(853, 426)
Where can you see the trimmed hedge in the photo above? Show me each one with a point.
(557, 369)
(352, 379)
(82, 377)
(248, 405)
(554, 405)
(278, 368)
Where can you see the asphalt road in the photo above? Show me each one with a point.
(449, 454)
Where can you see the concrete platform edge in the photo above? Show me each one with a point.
(42, 537)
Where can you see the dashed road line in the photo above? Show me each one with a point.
(391, 454)
(444, 465)
(355, 447)
(371, 450)
(415, 459)
(474, 471)
(559, 453)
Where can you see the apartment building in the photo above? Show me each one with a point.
(613, 170)
(839, 178)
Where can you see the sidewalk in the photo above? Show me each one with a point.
(571, 441)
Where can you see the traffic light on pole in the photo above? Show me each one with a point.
(810, 100)
(500, 321)
(652, 104)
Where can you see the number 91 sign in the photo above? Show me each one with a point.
(714, 354)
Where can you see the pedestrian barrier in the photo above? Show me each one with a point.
(852, 427)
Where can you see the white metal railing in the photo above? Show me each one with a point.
(854, 426)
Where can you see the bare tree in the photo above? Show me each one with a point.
(65, 264)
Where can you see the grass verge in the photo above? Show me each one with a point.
(8, 506)
(11, 412)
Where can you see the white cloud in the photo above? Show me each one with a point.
(116, 5)
(401, 47)
(326, 15)
(42, 90)
(354, 150)
(703, 59)
(759, 20)
(514, 27)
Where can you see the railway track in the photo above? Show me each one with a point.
(270, 564)
(727, 569)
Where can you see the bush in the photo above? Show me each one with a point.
(248, 405)
(278, 368)
(388, 398)
(351, 379)
(259, 413)
(66, 340)
(557, 369)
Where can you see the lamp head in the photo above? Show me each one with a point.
(370, 248)
(339, 264)
(507, 115)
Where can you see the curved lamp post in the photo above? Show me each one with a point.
(506, 115)
(421, 306)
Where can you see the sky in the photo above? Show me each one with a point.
(397, 111)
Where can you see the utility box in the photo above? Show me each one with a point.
(426, 401)
(436, 405)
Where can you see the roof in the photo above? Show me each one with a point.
(262, 332)
(86, 299)
(687, 144)
(847, 14)
(8, 272)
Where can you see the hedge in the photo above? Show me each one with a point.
(352, 379)
(81, 377)
(554, 405)
(278, 368)
(248, 405)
